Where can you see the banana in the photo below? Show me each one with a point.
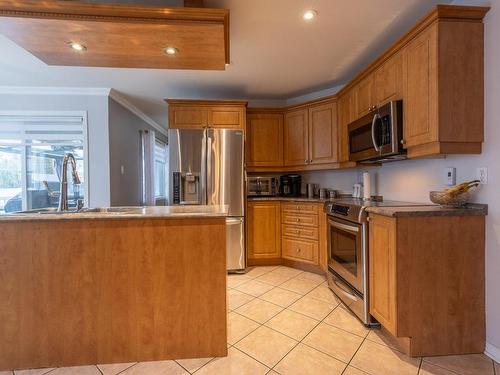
(462, 188)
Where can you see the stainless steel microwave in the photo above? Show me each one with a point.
(378, 135)
(262, 185)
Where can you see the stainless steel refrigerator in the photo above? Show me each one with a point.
(206, 168)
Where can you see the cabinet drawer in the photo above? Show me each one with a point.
(306, 208)
(302, 250)
(310, 233)
(299, 219)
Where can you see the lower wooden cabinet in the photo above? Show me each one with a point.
(263, 231)
(293, 231)
(426, 281)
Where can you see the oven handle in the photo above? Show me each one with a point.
(375, 145)
(343, 226)
(341, 287)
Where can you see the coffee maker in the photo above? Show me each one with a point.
(290, 185)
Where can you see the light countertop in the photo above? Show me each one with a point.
(121, 213)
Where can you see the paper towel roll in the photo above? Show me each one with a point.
(367, 190)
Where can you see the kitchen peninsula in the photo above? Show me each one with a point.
(115, 285)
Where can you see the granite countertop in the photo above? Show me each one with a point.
(431, 210)
(125, 213)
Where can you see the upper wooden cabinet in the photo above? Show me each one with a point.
(310, 135)
(263, 231)
(323, 133)
(296, 134)
(345, 115)
(264, 140)
(388, 80)
(444, 90)
(437, 70)
(224, 114)
(364, 96)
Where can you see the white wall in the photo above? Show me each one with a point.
(98, 138)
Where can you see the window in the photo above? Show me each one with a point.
(161, 162)
(32, 148)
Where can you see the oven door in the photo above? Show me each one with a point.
(345, 251)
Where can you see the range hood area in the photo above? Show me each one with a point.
(91, 34)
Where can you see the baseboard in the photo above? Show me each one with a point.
(493, 352)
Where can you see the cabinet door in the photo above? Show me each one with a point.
(226, 117)
(264, 140)
(263, 230)
(388, 80)
(295, 138)
(345, 116)
(364, 96)
(323, 134)
(181, 116)
(420, 89)
(382, 267)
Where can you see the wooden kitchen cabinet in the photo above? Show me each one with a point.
(264, 140)
(425, 273)
(198, 114)
(263, 232)
(296, 141)
(323, 133)
(364, 96)
(443, 91)
(345, 116)
(382, 271)
(388, 80)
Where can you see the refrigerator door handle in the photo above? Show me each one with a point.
(203, 177)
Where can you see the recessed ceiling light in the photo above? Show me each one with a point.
(77, 46)
(309, 14)
(171, 51)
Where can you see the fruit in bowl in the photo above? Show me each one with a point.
(456, 196)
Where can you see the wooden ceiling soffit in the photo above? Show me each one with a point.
(118, 36)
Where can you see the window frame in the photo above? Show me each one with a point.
(55, 114)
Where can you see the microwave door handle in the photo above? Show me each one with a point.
(375, 145)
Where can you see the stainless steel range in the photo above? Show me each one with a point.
(348, 252)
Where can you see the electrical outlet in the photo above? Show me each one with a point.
(450, 176)
(482, 175)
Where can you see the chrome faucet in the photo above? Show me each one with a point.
(63, 197)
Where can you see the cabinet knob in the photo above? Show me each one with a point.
(297, 231)
(310, 161)
(297, 250)
(306, 161)
(403, 141)
(297, 207)
(297, 220)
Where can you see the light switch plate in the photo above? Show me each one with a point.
(482, 175)
(450, 176)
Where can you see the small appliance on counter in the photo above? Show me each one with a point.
(262, 186)
(290, 185)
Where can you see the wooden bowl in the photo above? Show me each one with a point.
(447, 200)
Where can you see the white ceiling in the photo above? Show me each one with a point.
(275, 54)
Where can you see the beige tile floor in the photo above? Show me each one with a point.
(285, 321)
